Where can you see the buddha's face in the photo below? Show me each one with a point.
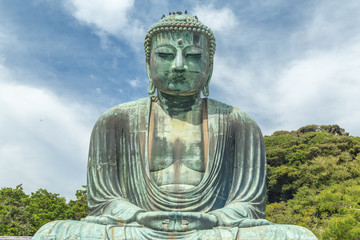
(179, 62)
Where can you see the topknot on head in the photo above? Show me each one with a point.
(179, 22)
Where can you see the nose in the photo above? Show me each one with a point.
(178, 65)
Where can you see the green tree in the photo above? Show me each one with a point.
(14, 212)
(78, 208)
(45, 207)
(314, 180)
(23, 215)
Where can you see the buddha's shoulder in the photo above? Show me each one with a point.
(235, 113)
(126, 110)
(128, 107)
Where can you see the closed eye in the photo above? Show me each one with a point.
(193, 55)
(165, 55)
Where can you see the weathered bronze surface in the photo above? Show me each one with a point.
(176, 166)
(15, 237)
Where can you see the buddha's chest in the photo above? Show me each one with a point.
(176, 149)
(179, 145)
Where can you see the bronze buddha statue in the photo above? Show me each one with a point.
(176, 166)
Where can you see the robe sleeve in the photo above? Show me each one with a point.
(247, 195)
(108, 170)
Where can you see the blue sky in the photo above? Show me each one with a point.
(63, 63)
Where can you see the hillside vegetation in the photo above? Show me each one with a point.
(313, 177)
(314, 180)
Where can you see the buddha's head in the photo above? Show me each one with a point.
(179, 55)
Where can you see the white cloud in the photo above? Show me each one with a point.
(322, 88)
(219, 20)
(134, 82)
(98, 90)
(232, 78)
(333, 23)
(109, 17)
(44, 138)
(321, 84)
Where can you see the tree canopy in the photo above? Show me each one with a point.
(314, 180)
(23, 215)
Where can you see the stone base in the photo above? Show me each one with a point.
(77, 230)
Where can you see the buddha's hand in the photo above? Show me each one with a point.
(246, 222)
(176, 221)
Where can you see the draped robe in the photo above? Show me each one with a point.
(120, 185)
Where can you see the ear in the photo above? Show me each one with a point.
(210, 74)
(205, 90)
(151, 89)
(148, 69)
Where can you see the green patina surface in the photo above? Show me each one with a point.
(176, 166)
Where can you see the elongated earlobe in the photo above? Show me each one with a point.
(152, 88)
(205, 90)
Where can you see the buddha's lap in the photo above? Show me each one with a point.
(69, 229)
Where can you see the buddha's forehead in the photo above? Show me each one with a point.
(180, 39)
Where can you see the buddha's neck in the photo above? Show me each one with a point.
(177, 104)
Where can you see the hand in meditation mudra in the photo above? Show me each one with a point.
(176, 166)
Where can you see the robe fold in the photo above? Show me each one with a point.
(120, 185)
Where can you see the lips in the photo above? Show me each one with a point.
(177, 78)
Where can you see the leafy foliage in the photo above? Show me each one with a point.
(23, 215)
(314, 180)
(14, 212)
(78, 209)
